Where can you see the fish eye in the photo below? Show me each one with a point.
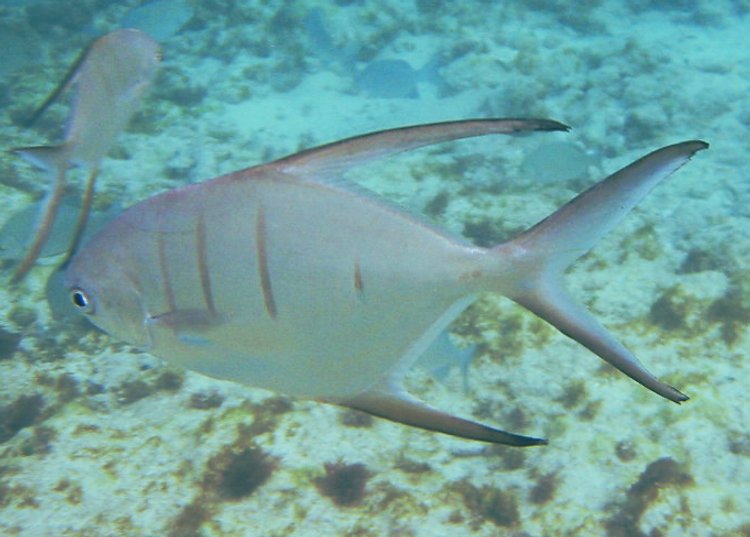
(81, 300)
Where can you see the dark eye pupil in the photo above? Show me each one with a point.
(79, 299)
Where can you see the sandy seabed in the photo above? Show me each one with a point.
(97, 439)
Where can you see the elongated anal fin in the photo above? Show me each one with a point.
(399, 406)
(333, 159)
(83, 216)
(544, 251)
(44, 226)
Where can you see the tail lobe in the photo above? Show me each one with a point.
(548, 248)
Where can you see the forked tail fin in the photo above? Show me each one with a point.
(547, 249)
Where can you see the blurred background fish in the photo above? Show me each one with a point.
(557, 161)
(110, 78)
(161, 19)
(443, 355)
(387, 78)
(21, 224)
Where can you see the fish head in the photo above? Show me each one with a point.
(121, 65)
(101, 288)
(142, 55)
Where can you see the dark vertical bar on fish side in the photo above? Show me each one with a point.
(359, 285)
(200, 247)
(262, 257)
(168, 292)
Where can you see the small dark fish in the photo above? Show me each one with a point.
(110, 78)
(161, 19)
(285, 277)
(389, 79)
(556, 161)
(386, 78)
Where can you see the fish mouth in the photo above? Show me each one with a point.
(146, 342)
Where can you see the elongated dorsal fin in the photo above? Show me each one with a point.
(67, 81)
(331, 160)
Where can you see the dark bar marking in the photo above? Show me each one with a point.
(262, 255)
(359, 285)
(200, 247)
(168, 292)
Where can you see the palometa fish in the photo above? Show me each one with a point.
(110, 77)
(286, 277)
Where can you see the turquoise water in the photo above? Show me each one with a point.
(97, 438)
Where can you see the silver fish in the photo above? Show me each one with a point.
(110, 78)
(286, 277)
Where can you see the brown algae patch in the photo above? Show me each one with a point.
(8, 343)
(679, 314)
(544, 489)
(23, 412)
(644, 494)
(502, 328)
(344, 484)
(234, 475)
(487, 503)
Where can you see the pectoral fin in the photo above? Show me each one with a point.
(397, 405)
(187, 320)
(192, 326)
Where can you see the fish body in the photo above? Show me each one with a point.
(110, 84)
(556, 161)
(161, 19)
(286, 277)
(110, 79)
(388, 78)
(443, 355)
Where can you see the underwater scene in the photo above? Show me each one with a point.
(374, 338)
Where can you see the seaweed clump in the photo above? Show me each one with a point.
(8, 343)
(733, 312)
(498, 506)
(355, 418)
(344, 484)
(664, 472)
(134, 390)
(698, 260)
(237, 475)
(189, 521)
(204, 401)
(19, 414)
(670, 310)
(545, 489)
(230, 475)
